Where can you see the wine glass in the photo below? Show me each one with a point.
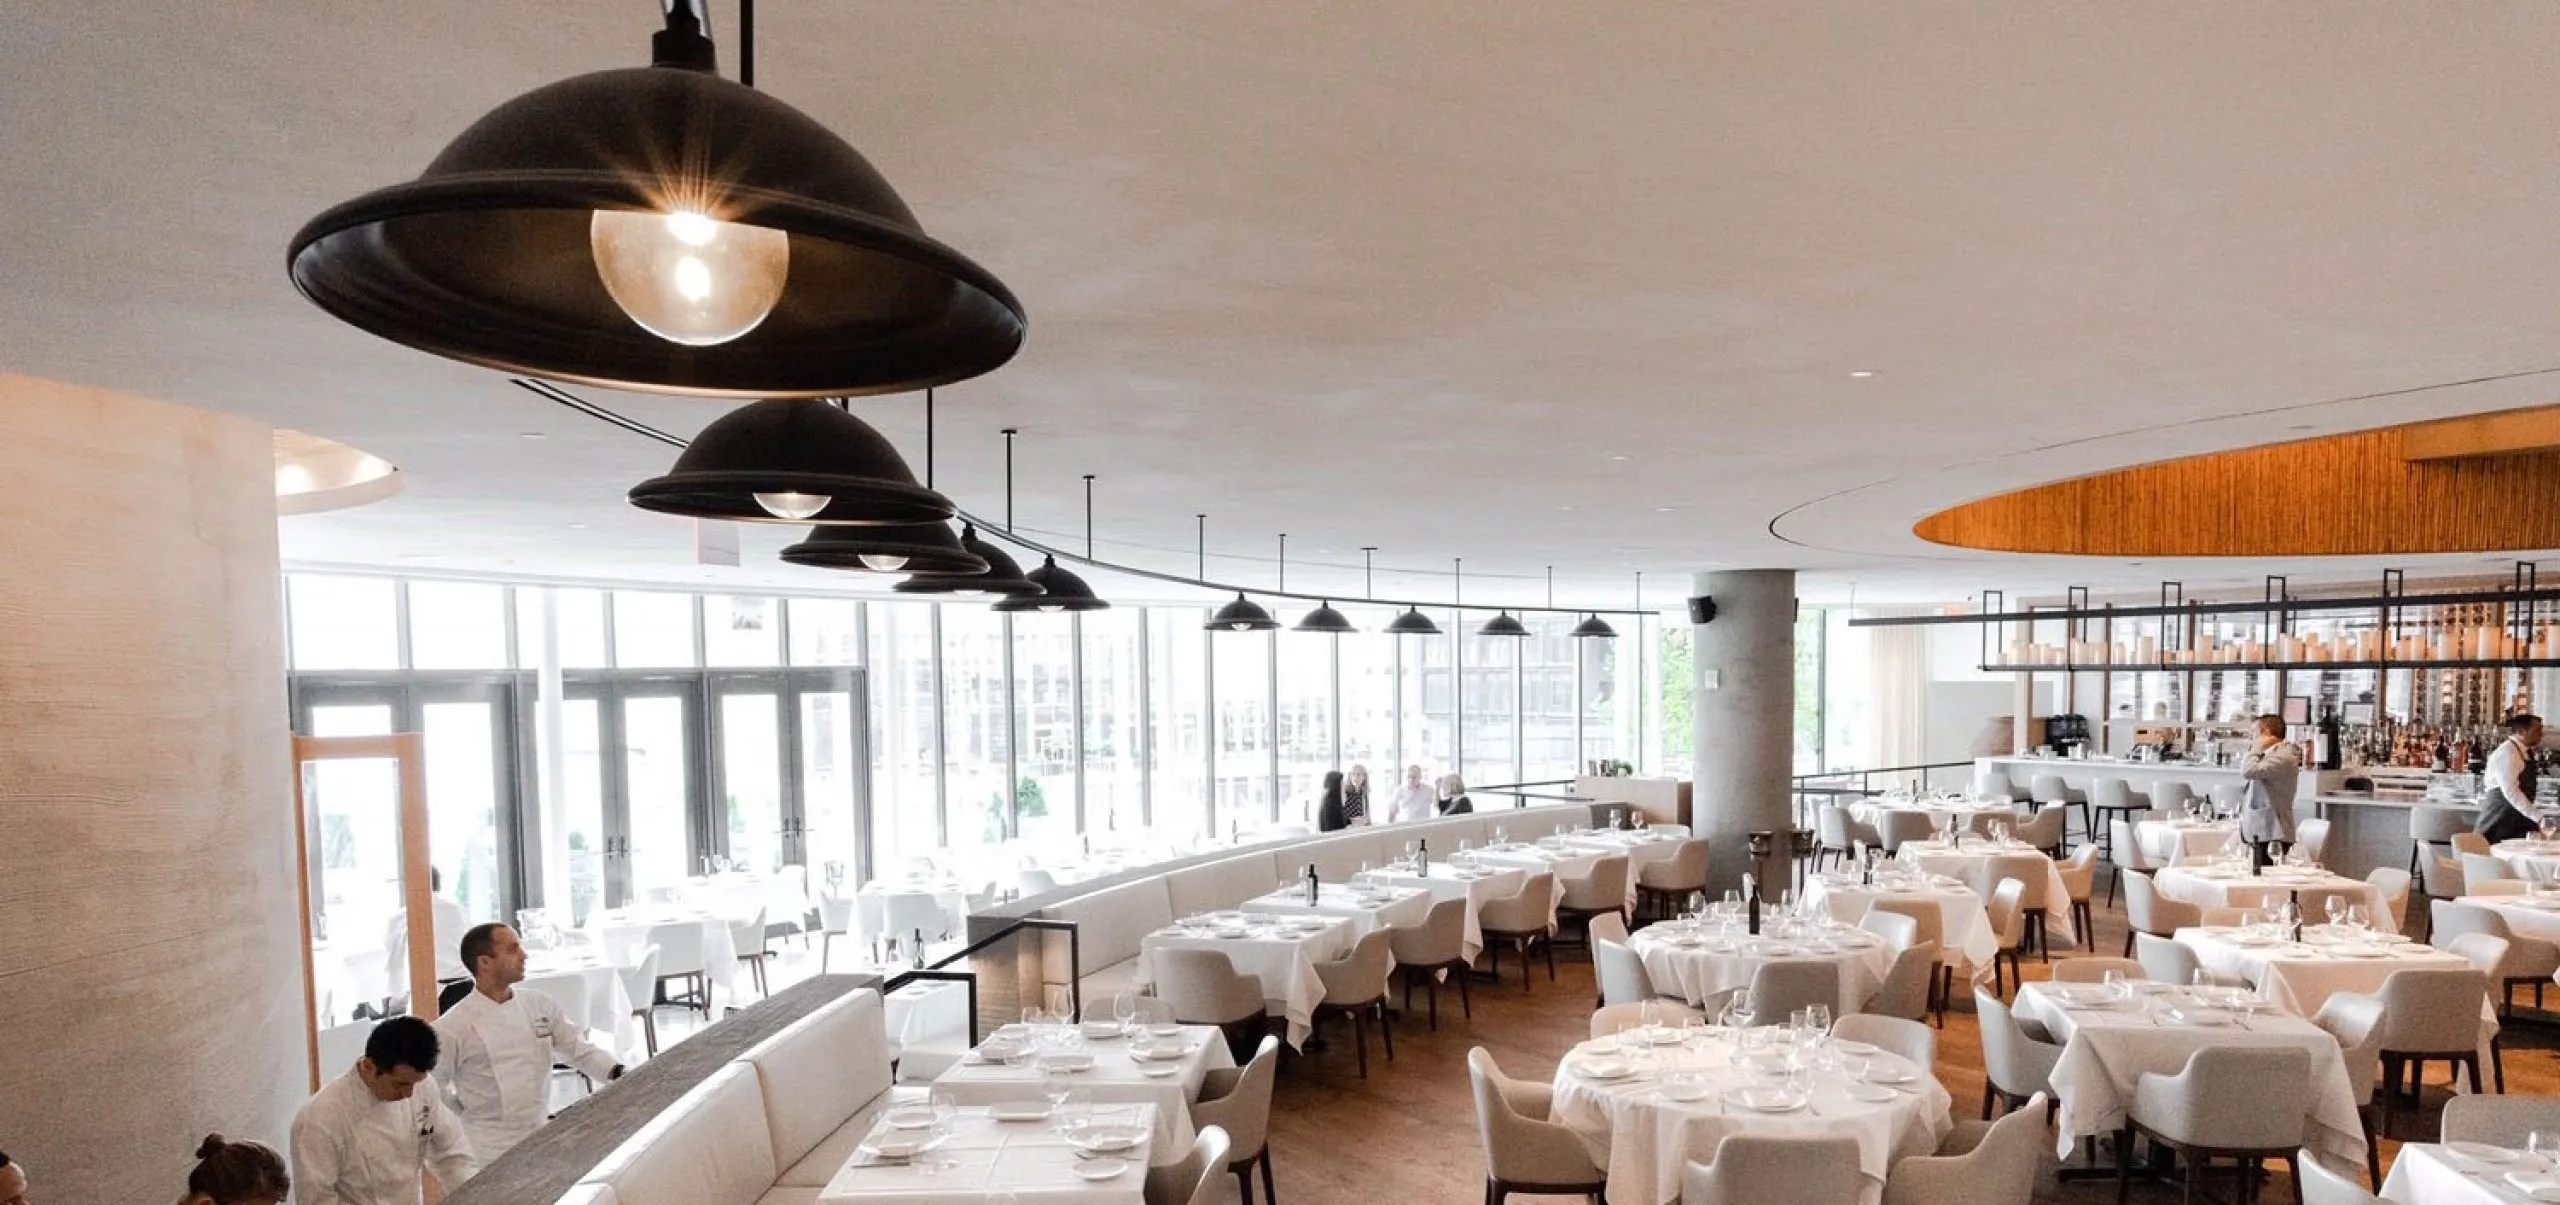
(1124, 1008)
(2336, 907)
(1697, 904)
(2117, 985)
(1033, 1017)
(2545, 1143)
(1741, 1010)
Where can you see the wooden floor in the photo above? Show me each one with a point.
(1408, 1132)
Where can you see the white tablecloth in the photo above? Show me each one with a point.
(1114, 1079)
(2222, 887)
(2425, 1173)
(1969, 939)
(1642, 847)
(1404, 907)
(1027, 1159)
(2176, 842)
(1563, 863)
(1445, 882)
(596, 986)
(2526, 916)
(1967, 865)
(2300, 978)
(1697, 963)
(2531, 858)
(625, 931)
(1644, 1141)
(1284, 962)
(2106, 1052)
(738, 894)
(909, 901)
(1868, 811)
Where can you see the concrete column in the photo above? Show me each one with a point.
(1744, 712)
(150, 965)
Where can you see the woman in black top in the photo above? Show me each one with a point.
(1329, 815)
(1453, 796)
(1355, 796)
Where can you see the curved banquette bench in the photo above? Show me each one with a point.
(1114, 914)
(763, 1114)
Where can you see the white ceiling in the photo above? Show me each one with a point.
(1527, 284)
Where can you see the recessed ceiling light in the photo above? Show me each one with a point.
(534, 435)
(1617, 458)
(2303, 427)
(1862, 373)
(577, 527)
(1662, 510)
(1564, 508)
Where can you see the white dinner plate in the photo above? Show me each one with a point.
(1857, 1049)
(1770, 1100)
(1685, 1093)
(1158, 1071)
(901, 1147)
(1019, 1110)
(1604, 1069)
(1109, 1137)
(1100, 1168)
(1883, 1074)
(1101, 1031)
(1066, 1062)
(1164, 1029)
(1871, 1093)
(912, 1117)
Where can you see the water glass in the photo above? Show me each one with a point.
(2545, 1143)
(1124, 1008)
(2117, 985)
(1817, 1019)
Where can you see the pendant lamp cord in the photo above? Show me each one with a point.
(928, 437)
(1369, 570)
(1203, 517)
(1457, 581)
(686, 41)
(1009, 433)
(1284, 562)
(747, 42)
(1088, 516)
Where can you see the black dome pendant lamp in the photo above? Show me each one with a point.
(661, 229)
(1502, 624)
(1413, 622)
(1242, 615)
(1593, 627)
(1060, 590)
(1001, 575)
(792, 460)
(919, 548)
(1324, 619)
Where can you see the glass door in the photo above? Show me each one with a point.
(634, 761)
(834, 789)
(750, 816)
(471, 766)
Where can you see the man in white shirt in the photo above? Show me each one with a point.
(1414, 801)
(502, 1042)
(366, 1136)
(446, 921)
(2508, 782)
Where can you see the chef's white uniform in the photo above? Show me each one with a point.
(353, 1148)
(497, 1059)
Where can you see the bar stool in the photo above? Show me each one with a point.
(2430, 827)
(2048, 789)
(2172, 795)
(2110, 800)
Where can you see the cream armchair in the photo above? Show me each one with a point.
(1978, 1164)
(1525, 1150)
(1238, 1100)
(2419, 1016)
(2529, 960)
(1424, 951)
(2245, 1103)
(1603, 892)
(1776, 1169)
(1355, 986)
(1524, 919)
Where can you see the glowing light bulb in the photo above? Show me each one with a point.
(788, 505)
(1239, 627)
(884, 562)
(686, 277)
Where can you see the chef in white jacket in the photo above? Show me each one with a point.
(366, 1136)
(500, 1042)
(1414, 801)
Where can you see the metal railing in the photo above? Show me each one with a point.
(1813, 790)
(1027, 972)
(1517, 791)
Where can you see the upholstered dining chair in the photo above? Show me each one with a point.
(2324, 1184)
(2046, 830)
(1192, 1179)
(1905, 990)
(1205, 988)
(1424, 952)
(2418, 1016)
(748, 937)
(1355, 986)
(835, 919)
(1896, 826)
(1892, 928)
(680, 958)
(2168, 960)
(2147, 911)
(2034, 874)
(1602, 892)
(2015, 1067)
(2529, 960)
(2129, 858)
(2094, 969)
(640, 986)
(1781, 986)
(2080, 884)
(1238, 1100)
(2050, 789)
(1621, 973)
(2243, 1103)
(2170, 796)
(2469, 843)
(2483, 868)
(2112, 800)
(2008, 930)
(1977, 1164)
(2391, 894)
(2498, 1120)
(1525, 1149)
(1776, 1169)
(2312, 838)
(1929, 924)
(1524, 919)
(1664, 884)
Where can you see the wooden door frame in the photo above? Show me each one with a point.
(409, 749)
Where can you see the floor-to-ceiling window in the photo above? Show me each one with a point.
(1427, 693)
(977, 727)
(1306, 720)
(1115, 721)
(1240, 701)
(1045, 738)
(1178, 721)
(1488, 732)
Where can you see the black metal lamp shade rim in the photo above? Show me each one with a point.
(1242, 615)
(485, 259)
(844, 548)
(1060, 590)
(1595, 628)
(1003, 575)
(854, 501)
(1502, 624)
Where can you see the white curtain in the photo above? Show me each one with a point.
(1898, 695)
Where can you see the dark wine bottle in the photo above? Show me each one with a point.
(1751, 893)
(1315, 885)
(1422, 858)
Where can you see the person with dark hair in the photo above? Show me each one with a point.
(366, 1136)
(13, 1182)
(2508, 782)
(503, 1040)
(236, 1173)
(1329, 809)
(2273, 768)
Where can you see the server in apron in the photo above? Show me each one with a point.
(2506, 802)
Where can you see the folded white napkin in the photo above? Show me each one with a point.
(2540, 1185)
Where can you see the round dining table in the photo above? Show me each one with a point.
(1644, 1110)
(1699, 961)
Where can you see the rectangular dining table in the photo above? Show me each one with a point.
(1029, 1160)
(1369, 908)
(2431, 1173)
(1284, 959)
(2108, 1048)
(1447, 882)
(1116, 1077)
